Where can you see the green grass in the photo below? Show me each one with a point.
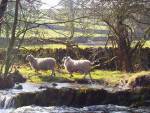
(55, 46)
(48, 33)
(110, 77)
(77, 25)
(147, 44)
(46, 46)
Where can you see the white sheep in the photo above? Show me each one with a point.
(81, 66)
(42, 63)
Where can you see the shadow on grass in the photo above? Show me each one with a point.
(60, 79)
(55, 79)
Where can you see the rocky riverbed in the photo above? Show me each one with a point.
(72, 97)
(89, 109)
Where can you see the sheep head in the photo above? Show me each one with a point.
(66, 58)
(29, 57)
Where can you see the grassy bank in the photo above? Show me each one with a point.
(110, 77)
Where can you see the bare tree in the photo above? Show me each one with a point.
(12, 40)
(20, 26)
(3, 6)
(119, 15)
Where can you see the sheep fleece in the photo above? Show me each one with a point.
(82, 66)
(45, 63)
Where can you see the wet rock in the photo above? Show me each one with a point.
(62, 95)
(83, 97)
(43, 87)
(141, 81)
(18, 86)
(82, 81)
(54, 84)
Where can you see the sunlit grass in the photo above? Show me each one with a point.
(48, 33)
(111, 77)
(108, 76)
(147, 44)
(46, 46)
(77, 25)
(56, 46)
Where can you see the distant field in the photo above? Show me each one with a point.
(53, 32)
(47, 33)
(77, 25)
(55, 46)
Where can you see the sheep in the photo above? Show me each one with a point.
(81, 66)
(42, 63)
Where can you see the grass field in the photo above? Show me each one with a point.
(77, 24)
(147, 44)
(48, 33)
(110, 77)
(56, 46)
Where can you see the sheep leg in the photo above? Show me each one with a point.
(53, 73)
(84, 76)
(37, 71)
(90, 76)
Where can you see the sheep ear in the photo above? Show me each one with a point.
(68, 57)
(31, 55)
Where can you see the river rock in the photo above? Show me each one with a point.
(140, 81)
(82, 97)
(18, 86)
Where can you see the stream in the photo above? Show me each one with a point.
(8, 101)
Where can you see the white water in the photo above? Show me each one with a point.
(7, 97)
(7, 102)
(64, 109)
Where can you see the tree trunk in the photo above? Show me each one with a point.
(124, 55)
(2, 9)
(9, 53)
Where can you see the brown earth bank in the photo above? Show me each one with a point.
(103, 58)
(84, 97)
(139, 81)
(7, 82)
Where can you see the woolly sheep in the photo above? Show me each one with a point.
(81, 66)
(42, 63)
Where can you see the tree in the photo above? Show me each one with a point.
(3, 6)
(120, 16)
(22, 19)
(12, 40)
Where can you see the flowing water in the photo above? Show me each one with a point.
(7, 103)
(64, 109)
